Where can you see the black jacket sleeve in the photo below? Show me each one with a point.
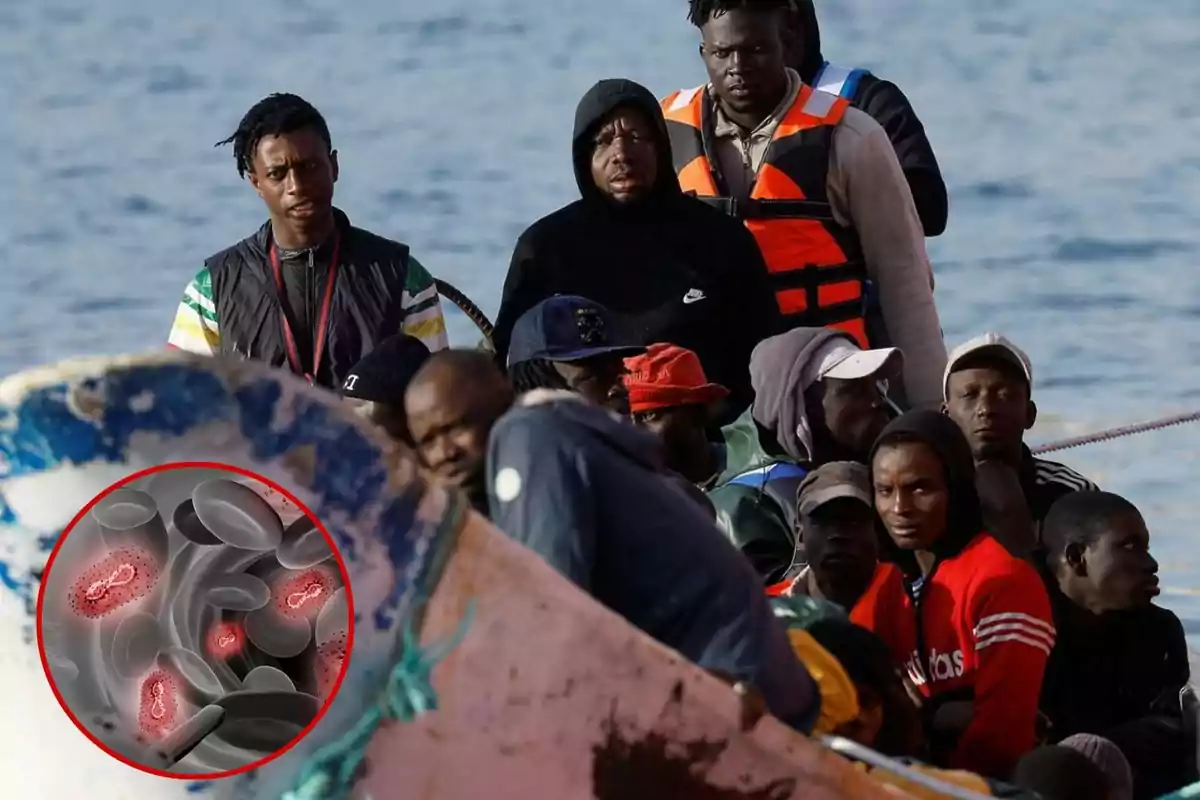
(524, 287)
(884, 101)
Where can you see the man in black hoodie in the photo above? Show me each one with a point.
(884, 101)
(671, 268)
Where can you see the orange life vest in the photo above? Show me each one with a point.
(816, 265)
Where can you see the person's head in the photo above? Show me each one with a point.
(986, 388)
(743, 47)
(377, 383)
(835, 518)
(569, 342)
(1060, 773)
(452, 403)
(1109, 758)
(282, 145)
(923, 481)
(621, 150)
(819, 393)
(670, 395)
(802, 39)
(887, 720)
(1098, 548)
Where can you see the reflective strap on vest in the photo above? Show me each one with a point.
(838, 81)
(769, 209)
(758, 477)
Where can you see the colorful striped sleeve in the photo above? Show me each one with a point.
(196, 329)
(423, 308)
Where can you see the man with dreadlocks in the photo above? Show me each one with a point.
(818, 185)
(308, 290)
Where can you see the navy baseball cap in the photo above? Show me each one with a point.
(567, 327)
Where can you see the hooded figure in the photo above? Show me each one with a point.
(587, 492)
(671, 268)
(883, 101)
(816, 399)
(969, 623)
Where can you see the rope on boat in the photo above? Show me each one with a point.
(852, 750)
(468, 307)
(1117, 433)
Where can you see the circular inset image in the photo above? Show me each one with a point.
(202, 620)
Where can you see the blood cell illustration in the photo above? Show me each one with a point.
(158, 704)
(331, 656)
(225, 640)
(117, 579)
(302, 595)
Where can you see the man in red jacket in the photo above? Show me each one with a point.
(970, 623)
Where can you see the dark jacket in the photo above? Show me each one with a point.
(586, 492)
(369, 303)
(1119, 676)
(641, 260)
(889, 107)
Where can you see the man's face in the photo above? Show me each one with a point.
(624, 156)
(681, 429)
(854, 412)
(744, 55)
(449, 422)
(294, 174)
(599, 380)
(1121, 573)
(842, 548)
(911, 495)
(991, 405)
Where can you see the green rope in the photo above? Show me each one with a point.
(331, 773)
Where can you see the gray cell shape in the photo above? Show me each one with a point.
(267, 679)
(63, 669)
(136, 645)
(303, 545)
(130, 517)
(237, 515)
(266, 721)
(187, 736)
(190, 527)
(334, 617)
(275, 634)
(200, 685)
(237, 592)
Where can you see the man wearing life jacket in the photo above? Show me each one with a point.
(886, 104)
(816, 182)
(970, 623)
(308, 291)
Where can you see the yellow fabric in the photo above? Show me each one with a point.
(963, 780)
(839, 698)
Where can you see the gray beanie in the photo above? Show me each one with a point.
(1109, 758)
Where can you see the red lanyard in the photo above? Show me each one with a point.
(289, 338)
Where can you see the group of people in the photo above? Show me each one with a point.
(717, 398)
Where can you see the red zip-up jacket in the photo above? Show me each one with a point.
(980, 629)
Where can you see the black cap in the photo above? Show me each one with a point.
(831, 481)
(382, 375)
(567, 328)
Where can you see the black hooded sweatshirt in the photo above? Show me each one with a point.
(884, 102)
(643, 259)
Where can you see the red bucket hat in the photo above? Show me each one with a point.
(666, 376)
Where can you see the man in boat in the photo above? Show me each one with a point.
(987, 389)
(886, 104)
(308, 291)
(1120, 661)
(451, 406)
(816, 399)
(377, 383)
(586, 491)
(818, 185)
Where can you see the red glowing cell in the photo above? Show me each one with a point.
(225, 639)
(121, 577)
(301, 595)
(158, 704)
(330, 657)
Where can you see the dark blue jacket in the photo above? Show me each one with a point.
(586, 492)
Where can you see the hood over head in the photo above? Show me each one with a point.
(805, 23)
(943, 436)
(779, 375)
(600, 101)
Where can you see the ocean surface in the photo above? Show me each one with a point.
(1067, 133)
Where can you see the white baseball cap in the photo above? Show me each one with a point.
(1000, 347)
(840, 359)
